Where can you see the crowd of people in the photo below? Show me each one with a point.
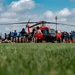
(18, 37)
(24, 37)
(67, 37)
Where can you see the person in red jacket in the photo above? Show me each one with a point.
(58, 36)
(38, 34)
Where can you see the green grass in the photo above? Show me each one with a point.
(37, 59)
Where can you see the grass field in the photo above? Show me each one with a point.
(37, 59)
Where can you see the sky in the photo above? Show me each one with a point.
(36, 10)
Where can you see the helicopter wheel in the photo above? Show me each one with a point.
(38, 41)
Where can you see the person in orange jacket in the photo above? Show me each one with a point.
(39, 34)
(58, 36)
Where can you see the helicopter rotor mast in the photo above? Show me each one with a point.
(38, 23)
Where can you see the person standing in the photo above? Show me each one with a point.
(15, 36)
(73, 33)
(38, 34)
(23, 35)
(33, 35)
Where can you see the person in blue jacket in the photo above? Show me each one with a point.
(15, 35)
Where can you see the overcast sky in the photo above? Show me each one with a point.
(36, 10)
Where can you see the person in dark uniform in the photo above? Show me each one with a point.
(71, 37)
(15, 36)
(23, 35)
(33, 35)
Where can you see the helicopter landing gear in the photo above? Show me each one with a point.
(38, 41)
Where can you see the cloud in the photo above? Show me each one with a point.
(8, 20)
(64, 13)
(21, 5)
(1, 7)
(49, 14)
(8, 14)
(17, 10)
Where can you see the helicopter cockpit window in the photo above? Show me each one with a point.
(52, 31)
(45, 31)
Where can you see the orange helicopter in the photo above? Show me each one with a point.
(47, 34)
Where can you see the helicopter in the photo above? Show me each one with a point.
(47, 35)
(51, 34)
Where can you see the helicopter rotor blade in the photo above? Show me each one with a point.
(44, 22)
(37, 23)
(66, 24)
(60, 24)
(17, 23)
